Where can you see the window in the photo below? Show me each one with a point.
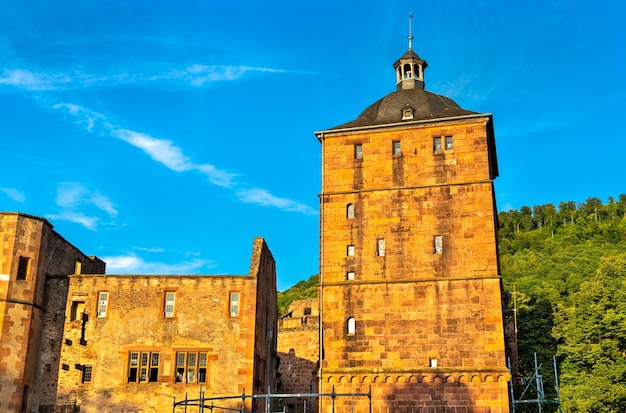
(438, 244)
(78, 267)
(351, 326)
(358, 151)
(22, 268)
(407, 113)
(170, 298)
(76, 311)
(437, 144)
(449, 143)
(396, 148)
(380, 247)
(103, 302)
(191, 367)
(350, 251)
(143, 366)
(307, 311)
(433, 362)
(233, 309)
(350, 211)
(87, 373)
(350, 275)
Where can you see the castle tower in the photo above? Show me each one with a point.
(410, 289)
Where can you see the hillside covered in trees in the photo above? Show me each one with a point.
(565, 266)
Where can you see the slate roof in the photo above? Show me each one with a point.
(425, 105)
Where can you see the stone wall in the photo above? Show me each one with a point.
(298, 348)
(135, 323)
(411, 291)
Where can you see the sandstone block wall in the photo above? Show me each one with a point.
(237, 347)
(24, 304)
(411, 291)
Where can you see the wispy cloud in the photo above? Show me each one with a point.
(264, 198)
(173, 157)
(14, 194)
(148, 249)
(194, 75)
(72, 197)
(133, 264)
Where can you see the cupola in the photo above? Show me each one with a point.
(410, 68)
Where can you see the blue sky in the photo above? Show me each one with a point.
(163, 136)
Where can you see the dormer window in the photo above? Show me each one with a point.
(407, 113)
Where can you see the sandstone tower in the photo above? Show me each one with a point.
(410, 289)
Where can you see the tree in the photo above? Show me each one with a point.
(591, 329)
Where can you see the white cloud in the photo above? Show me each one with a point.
(262, 197)
(133, 264)
(14, 194)
(148, 249)
(171, 156)
(72, 196)
(199, 75)
(75, 217)
(32, 81)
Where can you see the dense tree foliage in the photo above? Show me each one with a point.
(567, 266)
(303, 289)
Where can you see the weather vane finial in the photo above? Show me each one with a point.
(410, 31)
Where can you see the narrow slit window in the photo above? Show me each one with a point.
(380, 247)
(350, 251)
(438, 244)
(437, 144)
(358, 151)
(449, 144)
(350, 211)
(351, 326)
(103, 304)
(396, 148)
(170, 300)
(22, 268)
(233, 310)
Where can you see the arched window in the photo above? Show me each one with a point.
(408, 72)
(351, 326)
(350, 211)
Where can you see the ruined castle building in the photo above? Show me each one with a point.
(410, 288)
(34, 264)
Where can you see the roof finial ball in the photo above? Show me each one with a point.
(410, 68)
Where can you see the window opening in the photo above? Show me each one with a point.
(307, 311)
(22, 268)
(449, 143)
(170, 299)
(350, 211)
(350, 251)
(351, 325)
(143, 366)
(87, 373)
(358, 151)
(233, 310)
(396, 148)
(103, 303)
(437, 144)
(77, 310)
(78, 267)
(407, 113)
(380, 247)
(350, 275)
(438, 244)
(191, 367)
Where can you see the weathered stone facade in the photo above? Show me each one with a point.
(411, 294)
(298, 349)
(77, 339)
(34, 264)
(141, 354)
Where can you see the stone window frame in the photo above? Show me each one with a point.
(86, 374)
(234, 303)
(102, 306)
(438, 244)
(350, 275)
(358, 151)
(23, 268)
(380, 247)
(188, 371)
(142, 369)
(169, 310)
(449, 143)
(350, 250)
(351, 326)
(350, 211)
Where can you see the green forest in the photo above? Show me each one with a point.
(565, 269)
